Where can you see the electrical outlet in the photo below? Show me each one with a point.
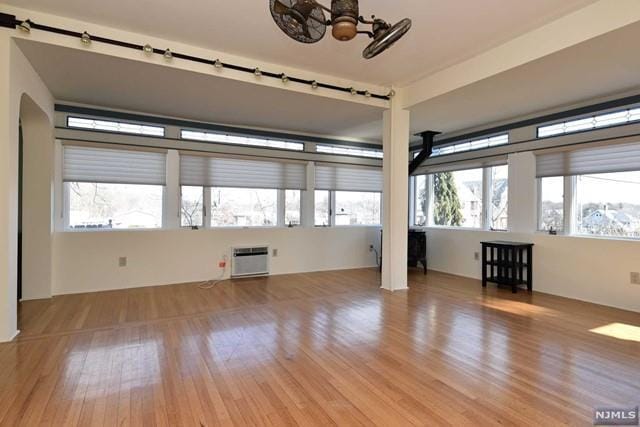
(275, 253)
(370, 248)
(635, 278)
(122, 261)
(476, 256)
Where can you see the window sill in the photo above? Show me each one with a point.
(590, 237)
(109, 230)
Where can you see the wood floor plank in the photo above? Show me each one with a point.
(327, 348)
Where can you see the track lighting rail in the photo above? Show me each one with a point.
(27, 25)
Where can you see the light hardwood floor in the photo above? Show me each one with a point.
(325, 348)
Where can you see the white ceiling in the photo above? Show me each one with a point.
(89, 78)
(444, 32)
(600, 67)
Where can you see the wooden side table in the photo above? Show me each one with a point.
(507, 263)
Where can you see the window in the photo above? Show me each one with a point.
(551, 204)
(192, 206)
(240, 140)
(113, 189)
(244, 207)
(344, 151)
(593, 122)
(421, 207)
(457, 198)
(608, 204)
(113, 206)
(292, 207)
(475, 144)
(499, 206)
(110, 126)
(322, 208)
(356, 208)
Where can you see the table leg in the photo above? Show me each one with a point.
(530, 269)
(484, 267)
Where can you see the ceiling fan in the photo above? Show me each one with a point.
(305, 21)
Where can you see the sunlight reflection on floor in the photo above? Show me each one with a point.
(621, 331)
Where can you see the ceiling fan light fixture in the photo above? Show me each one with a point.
(344, 19)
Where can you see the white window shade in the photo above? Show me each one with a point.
(105, 165)
(241, 173)
(461, 165)
(348, 178)
(601, 159)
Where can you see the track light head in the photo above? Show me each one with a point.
(167, 54)
(25, 26)
(353, 91)
(314, 84)
(147, 48)
(284, 78)
(218, 64)
(257, 72)
(85, 38)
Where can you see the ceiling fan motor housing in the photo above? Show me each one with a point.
(344, 19)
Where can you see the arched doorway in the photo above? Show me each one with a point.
(35, 206)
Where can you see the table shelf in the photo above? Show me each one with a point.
(507, 263)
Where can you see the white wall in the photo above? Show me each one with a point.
(589, 269)
(583, 268)
(88, 261)
(17, 79)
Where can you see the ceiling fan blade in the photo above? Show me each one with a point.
(280, 8)
(385, 37)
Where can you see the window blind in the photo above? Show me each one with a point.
(241, 173)
(601, 159)
(105, 165)
(462, 165)
(348, 178)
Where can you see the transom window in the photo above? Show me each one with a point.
(475, 144)
(345, 151)
(112, 126)
(593, 122)
(240, 140)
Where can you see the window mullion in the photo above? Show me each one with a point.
(206, 206)
(570, 210)
(280, 206)
(332, 208)
(486, 211)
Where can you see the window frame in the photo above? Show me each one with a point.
(222, 136)
(594, 118)
(486, 211)
(332, 210)
(66, 213)
(69, 118)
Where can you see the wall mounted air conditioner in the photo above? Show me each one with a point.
(249, 261)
